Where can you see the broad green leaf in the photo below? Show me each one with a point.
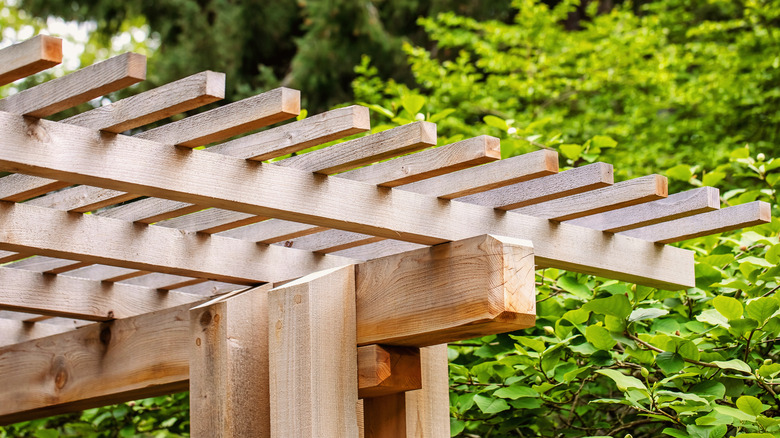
(496, 122)
(739, 327)
(762, 309)
(769, 370)
(688, 350)
(706, 275)
(576, 316)
(709, 388)
(670, 362)
(755, 435)
(490, 405)
(623, 381)
(616, 305)
(441, 115)
(412, 103)
(571, 285)
(697, 431)
(713, 317)
(515, 391)
(600, 337)
(712, 178)
(456, 426)
(603, 141)
(682, 396)
(736, 413)
(680, 172)
(649, 313)
(729, 307)
(773, 254)
(526, 403)
(733, 364)
(750, 405)
(571, 151)
(675, 433)
(529, 342)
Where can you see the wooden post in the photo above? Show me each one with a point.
(312, 356)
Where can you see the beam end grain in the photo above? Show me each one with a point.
(29, 57)
(384, 370)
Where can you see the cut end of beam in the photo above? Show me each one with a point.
(384, 370)
(29, 57)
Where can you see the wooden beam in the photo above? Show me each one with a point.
(81, 199)
(492, 175)
(399, 295)
(385, 416)
(329, 241)
(11, 256)
(57, 295)
(147, 168)
(213, 220)
(568, 183)
(13, 331)
(384, 370)
(150, 210)
(272, 231)
(623, 194)
(312, 355)
(18, 187)
(676, 206)
(29, 57)
(430, 163)
(719, 221)
(229, 120)
(379, 249)
(156, 104)
(428, 413)
(365, 150)
(229, 387)
(297, 136)
(88, 238)
(78, 87)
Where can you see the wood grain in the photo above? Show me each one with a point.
(18, 187)
(675, 206)
(29, 57)
(623, 194)
(149, 210)
(385, 416)
(719, 221)
(427, 409)
(15, 331)
(229, 120)
(81, 199)
(272, 231)
(156, 104)
(384, 370)
(492, 175)
(329, 241)
(78, 87)
(312, 356)
(297, 136)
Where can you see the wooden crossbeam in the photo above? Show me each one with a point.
(677, 205)
(29, 57)
(147, 168)
(272, 231)
(19, 187)
(81, 199)
(150, 210)
(78, 87)
(229, 120)
(719, 221)
(57, 295)
(623, 194)
(156, 104)
(384, 370)
(329, 241)
(14, 331)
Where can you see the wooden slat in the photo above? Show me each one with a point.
(229, 120)
(429, 163)
(11, 256)
(29, 57)
(156, 104)
(88, 238)
(201, 178)
(297, 136)
(312, 356)
(379, 249)
(675, 206)
(365, 150)
(14, 331)
(719, 221)
(329, 241)
(384, 370)
(78, 87)
(57, 295)
(40, 263)
(229, 366)
(211, 221)
(468, 288)
(570, 182)
(492, 175)
(623, 194)
(385, 417)
(428, 413)
(272, 231)
(150, 210)
(19, 187)
(81, 199)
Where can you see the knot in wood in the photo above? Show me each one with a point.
(205, 318)
(105, 335)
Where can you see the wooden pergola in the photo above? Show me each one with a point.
(309, 296)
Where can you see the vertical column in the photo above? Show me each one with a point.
(428, 409)
(313, 356)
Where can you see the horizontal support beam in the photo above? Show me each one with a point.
(329, 241)
(13, 331)
(19, 187)
(147, 168)
(81, 199)
(719, 221)
(29, 57)
(384, 370)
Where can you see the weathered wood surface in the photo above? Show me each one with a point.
(20, 187)
(384, 370)
(81, 199)
(272, 231)
(427, 409)
(29, 57)
(148, 168)
(156, 104)
(331, 241)
(727, 219)
(229, 392)
(78, 87)
(14, 331)
(675, 206)
(150, 210)
(312, 356)
(229, 120)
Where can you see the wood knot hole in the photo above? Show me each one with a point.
(298, 299)
(205, 318)
(197, 342)
(61, 378)
(105, 335)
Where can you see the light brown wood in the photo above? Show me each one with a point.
(96, 365)
(297, 136)
(229, 120)
(449, 292)
(29, 57)
(10, 256)
(147, 168)
(213, 220)
(58, 295)
(88, 238)
(329, 241)
(15, 332)
(150, 210)
(489, 176)
(385, 416)
(675, 206)
(312, 356)
(40, 264)
(379, 249)
(365, 150)
(81, 199)
(229, 393)
(427, 164)
(272, 231)
(384, 370)
(78, 87)
(156, 104)
(19, 187)
(570, 182)
(623, 194)
(428, 414)
(719, 221)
